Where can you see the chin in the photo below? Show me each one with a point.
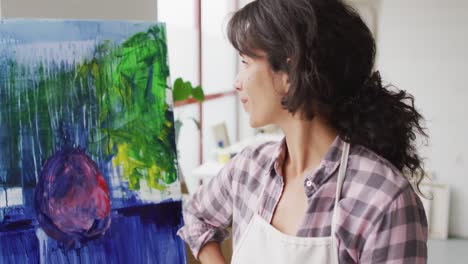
(257, 123)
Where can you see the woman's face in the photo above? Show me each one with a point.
(260, 90)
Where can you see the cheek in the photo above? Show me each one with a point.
(253, 87)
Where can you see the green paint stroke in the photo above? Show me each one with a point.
(123, 90)
(130, 83)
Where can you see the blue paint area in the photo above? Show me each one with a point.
(143, 234)
(12, 214)
(23, 31)
(19, 246)
(31, 133)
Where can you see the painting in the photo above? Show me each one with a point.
(88, 167)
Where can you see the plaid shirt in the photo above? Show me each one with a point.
(380, 217)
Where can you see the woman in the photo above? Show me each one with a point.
(341, 186)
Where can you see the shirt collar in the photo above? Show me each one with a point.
(319, 175)
(278, 158)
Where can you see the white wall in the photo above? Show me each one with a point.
(80, 9)
(423, 48)
(219, 71)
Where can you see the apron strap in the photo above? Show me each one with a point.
(339, 186)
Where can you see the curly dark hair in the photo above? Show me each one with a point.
(328, 53)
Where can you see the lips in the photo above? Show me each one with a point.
(244, 101)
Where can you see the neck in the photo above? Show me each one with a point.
(307, 144)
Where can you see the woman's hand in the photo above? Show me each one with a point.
(211, 254)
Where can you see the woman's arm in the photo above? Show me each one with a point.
(211, 254)
(209, 213)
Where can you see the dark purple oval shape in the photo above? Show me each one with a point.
(72, 199)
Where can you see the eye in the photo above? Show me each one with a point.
(244, 62)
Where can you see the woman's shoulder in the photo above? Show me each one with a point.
(372, 179)
(254, 161)
(373, 190)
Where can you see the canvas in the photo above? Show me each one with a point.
(88, 168)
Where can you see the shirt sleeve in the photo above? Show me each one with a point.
(400, 236)
(209, 211)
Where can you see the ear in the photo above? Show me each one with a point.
(285, 84)
(285, 78)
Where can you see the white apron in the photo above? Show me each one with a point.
(262, 243)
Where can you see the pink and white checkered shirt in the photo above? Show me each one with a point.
(380, 217)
